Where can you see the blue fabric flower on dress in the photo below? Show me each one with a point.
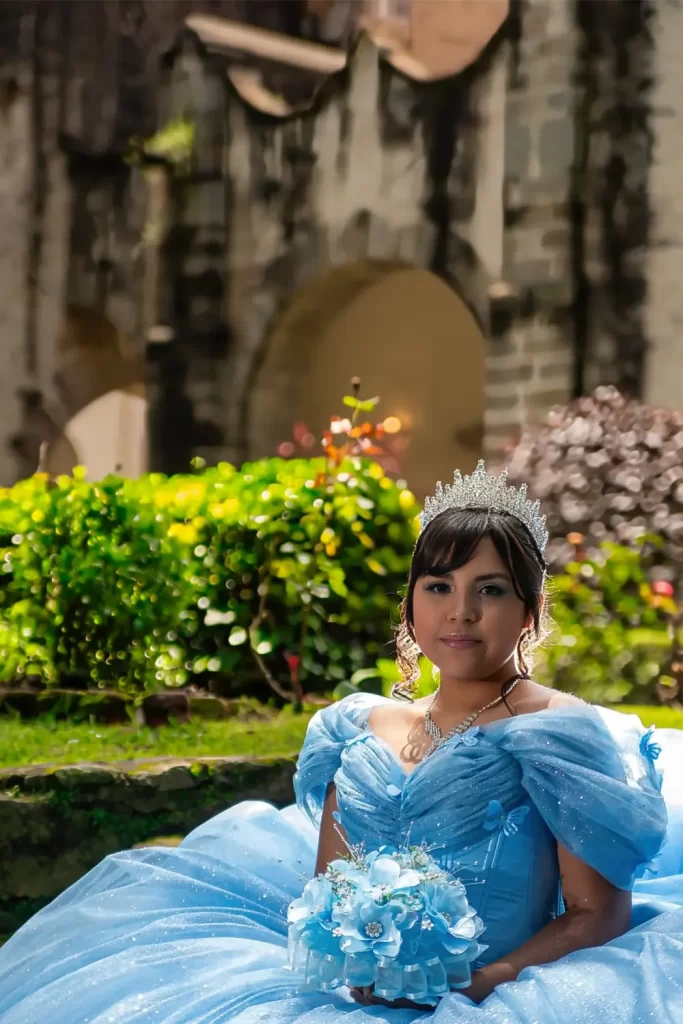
(467, 739)
(649, 750)
(497, 819)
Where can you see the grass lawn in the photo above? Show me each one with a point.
(43, 741)
(662, 718)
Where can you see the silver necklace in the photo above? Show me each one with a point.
(437, 737)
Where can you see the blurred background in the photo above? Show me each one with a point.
(213, 214)
(268, 270)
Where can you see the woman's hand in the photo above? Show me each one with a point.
(366, 996)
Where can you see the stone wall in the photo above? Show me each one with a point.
(612, 204)
(664, 258)
(381, 170)
(531, 363)
(15, 223)
(57, 823)
(481, 178)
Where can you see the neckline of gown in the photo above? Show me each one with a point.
(485, 728)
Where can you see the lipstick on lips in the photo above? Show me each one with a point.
(459, 641)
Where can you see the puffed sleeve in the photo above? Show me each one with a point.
(591, 774)
(328, 733)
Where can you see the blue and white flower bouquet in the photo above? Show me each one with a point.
(390, 919)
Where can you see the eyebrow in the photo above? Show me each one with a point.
(478, 579)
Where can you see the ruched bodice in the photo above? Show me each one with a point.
(494, 802)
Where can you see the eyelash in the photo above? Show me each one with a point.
(499, 591)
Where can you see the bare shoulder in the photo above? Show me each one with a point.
(565, 700)
(535, 697)
(391, 713)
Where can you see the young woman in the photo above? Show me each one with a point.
(552, 812)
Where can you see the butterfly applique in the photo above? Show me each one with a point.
(649, 750)
(468, 739)
(509, 823)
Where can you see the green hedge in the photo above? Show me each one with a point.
(221, 577)
(283, 577)
(616, 628)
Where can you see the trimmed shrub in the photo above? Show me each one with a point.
(614, 629)
(280, 577)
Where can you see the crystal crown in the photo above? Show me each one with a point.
(491, 493)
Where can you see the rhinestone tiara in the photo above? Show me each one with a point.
(491, 493)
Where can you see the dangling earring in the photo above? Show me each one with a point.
(400, 691)
(436, 673)
(521, 643)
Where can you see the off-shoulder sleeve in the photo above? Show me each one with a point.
(591, 774)
(328, 733)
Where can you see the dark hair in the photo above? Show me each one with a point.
(448, 543)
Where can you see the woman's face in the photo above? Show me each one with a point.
(468, 623)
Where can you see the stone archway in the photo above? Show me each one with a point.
(411, 339)
(108, 436)
(100, 421)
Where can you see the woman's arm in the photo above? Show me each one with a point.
(330, 843)
(595, 913)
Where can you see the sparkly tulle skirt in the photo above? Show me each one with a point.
(197, 935)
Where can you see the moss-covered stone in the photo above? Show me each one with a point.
(56, 823)
(77, 775)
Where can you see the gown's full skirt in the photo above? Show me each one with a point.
(197, 935)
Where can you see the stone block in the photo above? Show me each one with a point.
(556, 291)
(537, 403)
(560, 369)
(503, 403)
(517, 148)
(56, 824)
(548, 346)
(503, 351)
(518, 374)
(169, 779)
(562, 100)
(76, 776)
(533, 272)
(556, 238)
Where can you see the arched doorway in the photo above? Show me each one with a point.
(410, 338)
(107, 436)
(102, 417)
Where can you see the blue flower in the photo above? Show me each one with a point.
(386, 875)
(449, 899)
(367, 927)
(344, 871)
(497, 819)
(649, 750)
(452, 920)
(315, 903)
(468, 739)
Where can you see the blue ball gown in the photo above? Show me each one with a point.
(197, 935)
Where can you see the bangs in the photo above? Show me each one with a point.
(451, 541)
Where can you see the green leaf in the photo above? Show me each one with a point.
(363, 674)
(648, 638)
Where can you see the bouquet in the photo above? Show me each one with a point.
(392, 919)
